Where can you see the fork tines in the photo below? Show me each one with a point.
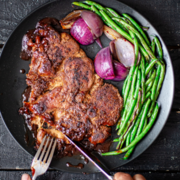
(44, 149)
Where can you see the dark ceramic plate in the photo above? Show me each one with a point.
(12, 83)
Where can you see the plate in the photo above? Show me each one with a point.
(12, 83)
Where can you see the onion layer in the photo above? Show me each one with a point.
(113, 49)
(81, 32)
(94, 22)
(120, 71)
(103, 64)
(111, 33)
(79, 22)
(68, 21)
(125, 52)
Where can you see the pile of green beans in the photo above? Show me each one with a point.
(143, 83)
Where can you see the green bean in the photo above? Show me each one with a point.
(139, 102)
(159, 48)
(94, 9)
(145, 123)
(116, 140)
(128, 138)
(136, 49)
(129, 113)
(130, 77)
(119, 122)
(124, 136)
(134, 131)
(141, 125)
(133, 83)
(128, 153)
(136, 140)
(151, 108)
(158, 89)
(131, 93)
(122, 32)
(81, 5)
(151, 78)
(143, 78)
(121, 138)
(113, 12)
(108, 13)
(131, 73)
(149, 81)
(131, 122)
(137, 26)
(162, 74)
(123, 115)
(95, 4)
(150, 66)
(148, 94)
(138, 35)
(129, 22)
(148, 87)
(124, 85)
(140, 117)
(153, 46)
(154, 87)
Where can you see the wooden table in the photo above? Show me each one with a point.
(162, 159)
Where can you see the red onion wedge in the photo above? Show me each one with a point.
(121, 49)
(103, 64)
(111, 33)
(113, 49)
(120, 71)
(81, 32)
(125, 52)
(68, 21)
(94, 22)
(98, 41)
(86, 26)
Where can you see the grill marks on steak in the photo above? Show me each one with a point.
(65, 92)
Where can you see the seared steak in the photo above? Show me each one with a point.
(66, 95)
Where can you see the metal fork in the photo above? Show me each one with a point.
(42, 159)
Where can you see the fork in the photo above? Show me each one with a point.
(42, 159)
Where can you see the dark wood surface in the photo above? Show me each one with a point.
(162, 159)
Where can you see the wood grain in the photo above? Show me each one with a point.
(57, 175)
(162, 14)
(161, 160)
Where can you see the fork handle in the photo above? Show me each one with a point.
(34, 177)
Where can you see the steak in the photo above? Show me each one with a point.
(66, 95)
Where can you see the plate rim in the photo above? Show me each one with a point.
(168, 57)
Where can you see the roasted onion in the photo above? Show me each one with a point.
(68, 21)
(85, 26)
(107, 68)
(111, 33)
(103, 64)
(81, 32)
(120, 71)
(125, 52)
